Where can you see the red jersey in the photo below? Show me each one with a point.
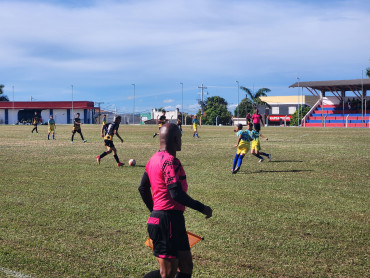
(163, 170)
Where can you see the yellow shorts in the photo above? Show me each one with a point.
(243, 148)
(51, 129)
(256, 145)
(195, 127)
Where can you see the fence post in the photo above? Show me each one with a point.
(347, 121)
(325, 120)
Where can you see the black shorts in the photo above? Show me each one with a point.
(168, 232)
(76, 130)
(257, 127)
(109, 143)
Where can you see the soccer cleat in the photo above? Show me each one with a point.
(261, 160)
(84, 141)
(71, 142)
(120, 164)
(98, 159)
(269, 157)
(236, 170)
(154, 135)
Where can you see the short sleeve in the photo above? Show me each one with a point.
(170, 169)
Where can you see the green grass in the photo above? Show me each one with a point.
(305, 214)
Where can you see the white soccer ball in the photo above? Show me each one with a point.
(132, 162)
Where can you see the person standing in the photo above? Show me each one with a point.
(104, 123)
(162, 120)
(248, 118)
(112, 129)
(77, 128)
(163, 189)
(51, 127)
(257, 120)
(242, 146)
(35, 122)
(195, 126)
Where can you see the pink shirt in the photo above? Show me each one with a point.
(256, 118)
(164, 169)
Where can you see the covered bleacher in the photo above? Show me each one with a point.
(335, 108)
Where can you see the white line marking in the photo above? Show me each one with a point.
(13, 273)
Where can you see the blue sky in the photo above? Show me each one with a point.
(103, 47)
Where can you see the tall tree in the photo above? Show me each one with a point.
(255, 98)
(245, 106)
(215, 107)
(368, 72)
(3, 97)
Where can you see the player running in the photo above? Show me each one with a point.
(77, 128)
(35, 122)
(112, 129)
(256, 146)
(104, 123)
(162, 120)
(51, 127)
(195, 126)
(163, 189)
(242, 145)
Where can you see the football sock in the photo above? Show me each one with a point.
(193, 135)
(103, 154)
(73, 135)
(257, 155)
(197, 135)
(265, 154)
(183, 275)
(240, 160)
(53, 137)
(235, 160)
(82, 137)
(48, 136)
(153, 274)
(116, 158)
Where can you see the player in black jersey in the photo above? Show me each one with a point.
(35, 122)
(111, 130)
(77, 128)
(162, 120)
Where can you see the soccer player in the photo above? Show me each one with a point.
(163, 189)
(35, 122)
(195, 126)
(51, 127)
(179, 122)
(162, 120)
(104, 123)
(257, 120)
(77, 128)
(256, 146)
(242, 146)
(112, 129)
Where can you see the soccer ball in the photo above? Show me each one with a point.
(132, 162)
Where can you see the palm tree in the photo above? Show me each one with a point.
(3, 97)
(368, 72)
(256, 98)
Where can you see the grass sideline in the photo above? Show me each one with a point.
(305, 214)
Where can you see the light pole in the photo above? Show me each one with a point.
(133, 113)
(182, 103)
(13, 100)
(72, 105)
(238, 100)
(298, 103)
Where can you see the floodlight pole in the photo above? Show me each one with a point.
(298, 104)
(133, 113)
(238, 101)
(13, 101)
(72, 105)
(182, 103)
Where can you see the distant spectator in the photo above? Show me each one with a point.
(248, 118)
(349, 104)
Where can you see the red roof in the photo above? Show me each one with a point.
(46, 105)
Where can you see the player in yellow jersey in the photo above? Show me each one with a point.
(242, 146)
(195, 126)
(51, 127)
(256, 146)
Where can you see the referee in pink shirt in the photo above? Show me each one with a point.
(257, 120)
(163, 189)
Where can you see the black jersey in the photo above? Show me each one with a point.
(110, 128)
(77, 124)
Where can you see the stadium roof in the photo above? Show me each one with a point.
(46, 105)
(335, 86)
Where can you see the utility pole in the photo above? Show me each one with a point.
(98, 103)
(201, 101)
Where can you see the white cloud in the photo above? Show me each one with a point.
(168, 101)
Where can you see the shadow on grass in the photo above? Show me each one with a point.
(274, 161)
(278, 171)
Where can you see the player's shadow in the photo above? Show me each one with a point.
(277, 171)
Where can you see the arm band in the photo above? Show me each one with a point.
(184, 199)
(145, 192)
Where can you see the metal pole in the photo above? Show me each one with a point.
(238, 99)
(13, 101)
(133, 114)
(72, 104)
(362, 98)
(298, 104)
(182, 103)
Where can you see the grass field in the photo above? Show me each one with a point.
(305, 214)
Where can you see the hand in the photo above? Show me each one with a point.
(266, 139)
(102, 135)
(121, 140)
(235, 146)
(207, 211)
